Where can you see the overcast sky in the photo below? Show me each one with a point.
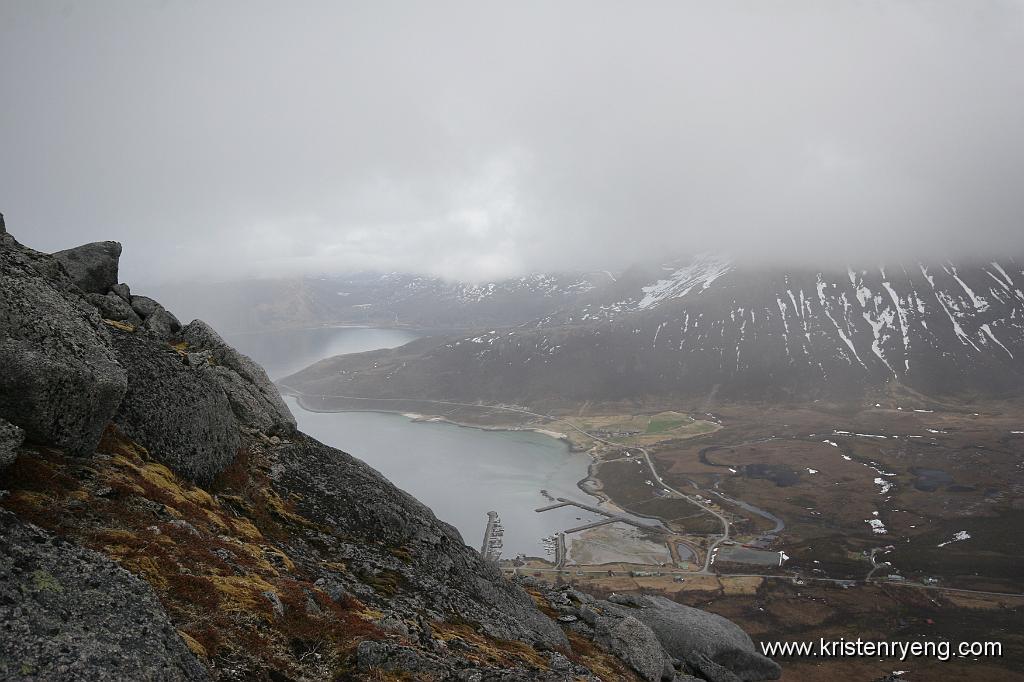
(480, 139)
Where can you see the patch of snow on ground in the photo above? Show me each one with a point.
(877, 526)
(811, 471)
(959, 536)
(883, 484)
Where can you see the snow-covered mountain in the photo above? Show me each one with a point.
(709, 325)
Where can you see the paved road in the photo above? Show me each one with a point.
(709, 556)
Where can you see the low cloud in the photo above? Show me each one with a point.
(477, 140)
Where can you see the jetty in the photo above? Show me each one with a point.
(491, 547)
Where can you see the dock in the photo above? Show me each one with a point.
(609, 517)
(556, 505)
(594, 524)
(490, 549)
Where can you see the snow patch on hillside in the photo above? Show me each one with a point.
(699, 275)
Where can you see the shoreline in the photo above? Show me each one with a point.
(590, 485)
(441, 419)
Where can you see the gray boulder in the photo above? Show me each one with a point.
(113, 307)
(11, 438)
(161, 323)
(92, 267)
(634, 643)
(715, 646)
(254, 398)
(123, 291)
(60, 382)
(69, 613)
(617, 631)
(144, 305)
(177, 411)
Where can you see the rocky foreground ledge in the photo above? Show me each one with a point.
(163, 520)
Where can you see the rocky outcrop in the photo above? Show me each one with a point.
(426, 560)
(92, 267)
(663, 640)
(113, 307)
(714, 646)
(60, 382)
(254, 398)
(161, 323)
(11, 438)
(175, 409)
(69, 613)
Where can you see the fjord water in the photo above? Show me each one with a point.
(462, 473)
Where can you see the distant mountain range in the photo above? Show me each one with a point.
(692, 327)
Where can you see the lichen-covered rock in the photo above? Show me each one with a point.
(60, 382)
(177, 411)
(634, 643)
(144, 305)
(615, 630)
(92, 267)
(715, 646)
(11, 438)
(254, 398)
(161, 323)
(123, 291)
(113, 307)
(69, 613)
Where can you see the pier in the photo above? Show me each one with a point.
(490, 549)
(609, 517)
(556, 505)
(594, 524)
(560, 551)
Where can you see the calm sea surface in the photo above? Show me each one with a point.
(460, 473)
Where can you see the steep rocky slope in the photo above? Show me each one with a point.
(710, 326)
(159, 499)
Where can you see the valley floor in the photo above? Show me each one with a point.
(896, 517)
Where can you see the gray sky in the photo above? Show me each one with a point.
(480, 139)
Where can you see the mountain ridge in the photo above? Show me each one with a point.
(943, 328)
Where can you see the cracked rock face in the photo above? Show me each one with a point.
(92, 267)
(254, 398)
(655, 636)
(714, 645)
(69, 613)
(175, 410)
(60, 382)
